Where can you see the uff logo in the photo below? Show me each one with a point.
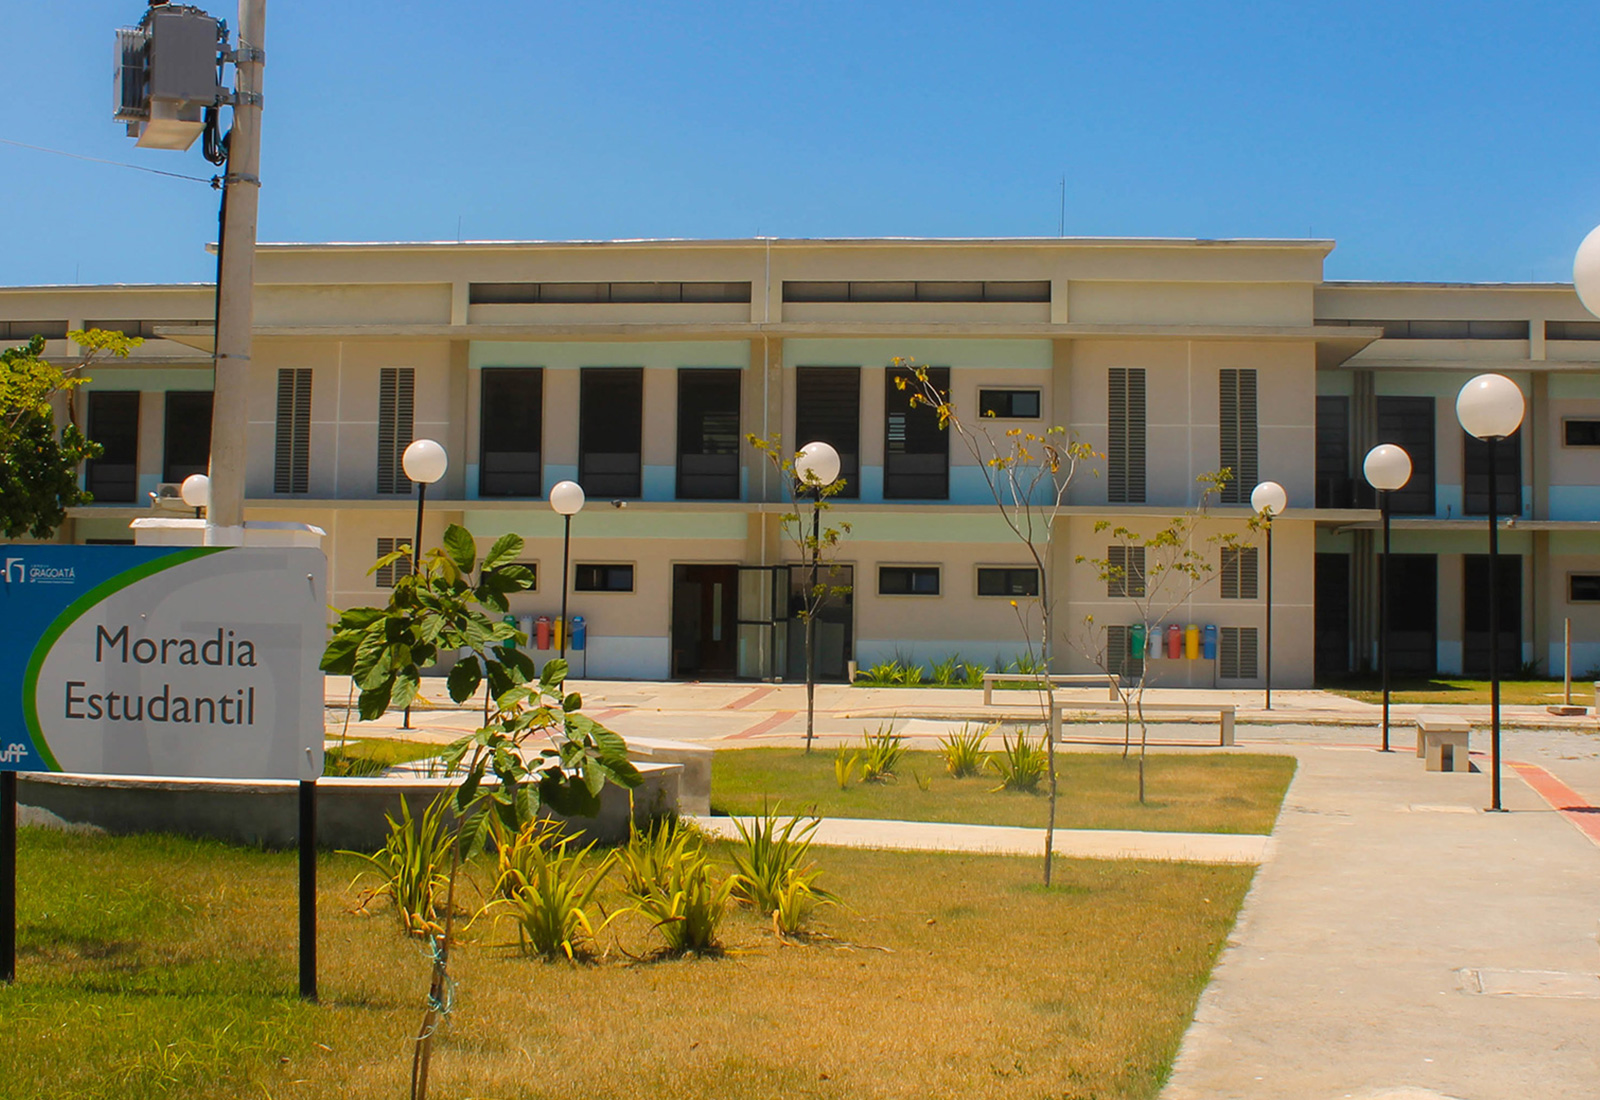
(16, 570)
(13, 753)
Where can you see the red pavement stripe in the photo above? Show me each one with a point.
(612, 713)
(1562, 798)
(771, 722)
(745, 700)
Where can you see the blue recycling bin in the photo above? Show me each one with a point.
(580, 632)
(1210, 644)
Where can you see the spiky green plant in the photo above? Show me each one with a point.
(947, 671)
(413, 867)
(1021, 765)
(844, 766)
(881, 753)
(549, 890)
(972, 673)
(773, 873)
(963, 751)
(885, 674)
(672, 883)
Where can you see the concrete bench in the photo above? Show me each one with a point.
(1443, 742)
(1064, 679)
(1223, 711)
(694, 783)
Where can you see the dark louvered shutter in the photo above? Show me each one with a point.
(1237, 653)
(291, 472)
(1239, 572)
(1120, 659)
(395, 570)
(1127, 568)
(1237, 424)
(1125, 441)
(396, 392)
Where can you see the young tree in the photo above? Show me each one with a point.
(1155, 573)
(453, 602)
(1028, 474)
(818, 547)
(38, 464)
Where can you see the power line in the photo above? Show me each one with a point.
(100, 160)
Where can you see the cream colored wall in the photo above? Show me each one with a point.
(336, 304)
(1173, 303)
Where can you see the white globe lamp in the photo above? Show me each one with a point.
(1490, 406)
(1387, 467)
(196, 491)
(425, 461)
(817, 465)
(566, 497)
(1586, 271)
(1269, 499)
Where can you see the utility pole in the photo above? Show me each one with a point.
(236, 283)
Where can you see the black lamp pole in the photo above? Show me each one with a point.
(416, 564)
(811, 612)
(566, 553)
(1494, 629)
(1383, 616)
(1269, 611)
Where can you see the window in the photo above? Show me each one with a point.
(187, 443)
(1442, 330)
(23, 331)
(1239, 572)
(1581, 433)
(708, 434)
(1572, 330)
(610, 430)
(1583, 587)
(916, 450)
(1008, 581)
(1009, 404)
(1335, 489)
(908, 580)
(827, 407)
(1237, 653)
(918, 291)
(291, 465)
(1125, 577)
(511, 404)
(395, 570)
(603, 293)
(1120, 658)
(1237, 433)
(396, 402)
(1125, 436)
(113, 478)
(1507, 478)
(602, 578)
(1408, 422)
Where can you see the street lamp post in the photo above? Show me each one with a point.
(424, 462)
(1490, 407)
(196, 492)
(1269, 499)
(817, 466)
(1387, 468)
(566, 497)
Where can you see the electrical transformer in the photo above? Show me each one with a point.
(167, 74)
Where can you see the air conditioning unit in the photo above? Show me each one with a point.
(167, 75)
(169, 495)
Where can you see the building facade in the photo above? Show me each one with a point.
(638, 368)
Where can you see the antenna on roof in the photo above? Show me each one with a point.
(1063, 230)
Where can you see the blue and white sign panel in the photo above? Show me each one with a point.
(150, 660)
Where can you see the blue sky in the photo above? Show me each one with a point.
(1430, 140)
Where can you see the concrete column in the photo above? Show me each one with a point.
(1535, 429)
(1060, 384)
(454, 484)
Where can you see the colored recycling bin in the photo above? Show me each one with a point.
(1209, 646)
(1174, 642)
(1155, 642)
(1136, 640)
(580, 632)
(541, 632)
(1191, 642)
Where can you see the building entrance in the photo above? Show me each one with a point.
(1475, 614)
(705, 628)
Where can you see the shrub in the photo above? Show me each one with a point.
(1020, 766)
(413, 867)
(1028, 665)
(946, 672)
(550, 891)
(773, 873)
(963, 751)
(881, 753)
(913, 675)
(972, 673)
(844, 766)
(671, 882)
(885, 674)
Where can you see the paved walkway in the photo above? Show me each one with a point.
(1402, 939)
(928, 836)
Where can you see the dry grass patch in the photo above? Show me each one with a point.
(165, 967)
(1187, 792)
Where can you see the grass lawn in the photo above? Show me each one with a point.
(368, 755)
(155, 966)
(1410, 689)
(1223, 793)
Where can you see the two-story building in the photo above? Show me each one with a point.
(638, 368)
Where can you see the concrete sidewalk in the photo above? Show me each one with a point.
(932, 836)
(1399, 939)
